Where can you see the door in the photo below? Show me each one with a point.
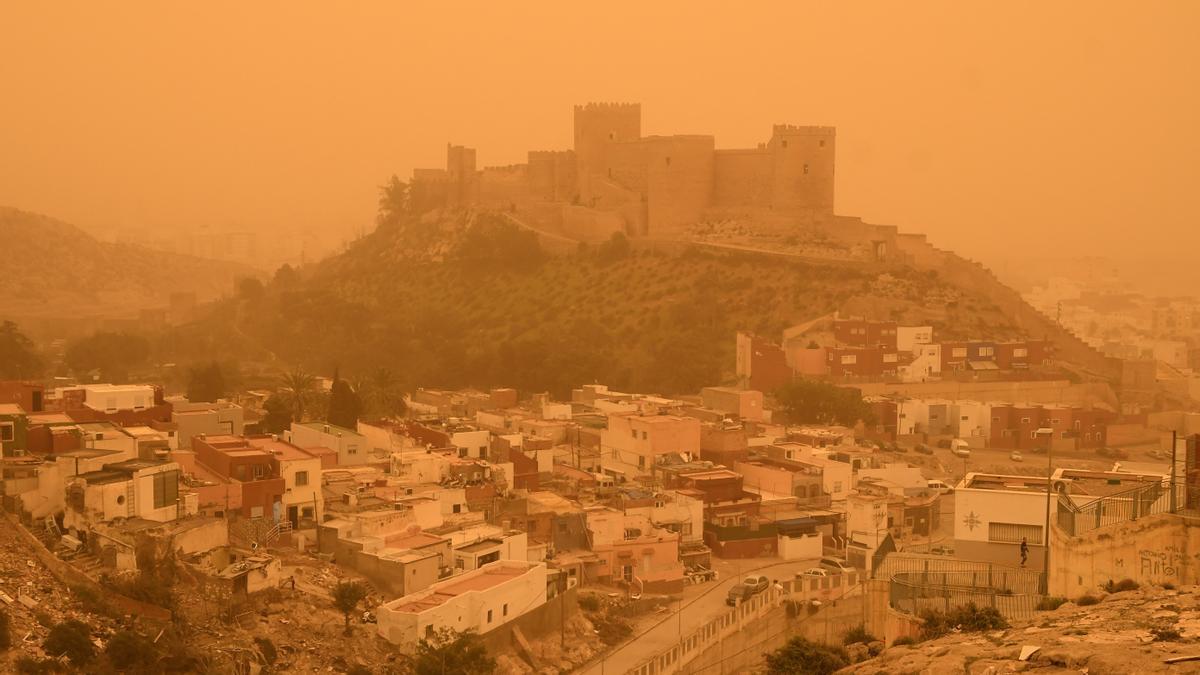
(293, 514)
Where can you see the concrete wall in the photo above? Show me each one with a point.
(1151, 550)
(1049, 391)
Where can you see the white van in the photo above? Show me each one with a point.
(959, 448)
(939, 486)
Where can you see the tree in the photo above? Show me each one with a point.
(129, 652)
(278, 417)
(206, 383)
(382, 394)
(72, 638)
(251, 289)
(5, 631)
(345, 407)
(113, 354)
(298, 388)
(346, 596)
(812, 402)
(448, 651)
(19, 359)
(801, 657)
(393, 202)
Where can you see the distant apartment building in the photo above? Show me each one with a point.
(214, 419)
(644, 441)
(856, 332)
(633, 551)
(746, 404)
(1029, 426)
(352, 447)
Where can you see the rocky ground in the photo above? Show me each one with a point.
(1129, 632)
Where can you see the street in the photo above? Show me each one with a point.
(701, 604)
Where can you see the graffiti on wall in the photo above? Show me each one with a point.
(1167, 562)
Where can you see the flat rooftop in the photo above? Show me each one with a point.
(984, 481)
(482, 579)
(11, 409)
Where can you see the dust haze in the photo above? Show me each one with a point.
(1009, 133)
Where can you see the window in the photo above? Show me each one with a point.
(821, 143)
(1012, 533)
(306, 512)
(995, 420)
(889, 358)
(1020, 352)
(805, 169)
(849, 359)
(301, 478)
(8, 431)
(351, 449)
(963, 418)
(633, 432)
(1033, 434)
(987, 351)
(1024, 420)
(504, 610)
(959, 352)
(645, 436)
(259, 471)
(837, 486)
(489, 616)
(1055, 421)
(457, 508)
(668, 161)
(166, 489)
(783, 143)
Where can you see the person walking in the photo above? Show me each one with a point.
(1024, 551)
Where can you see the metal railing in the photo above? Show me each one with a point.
(915, 593)
(1077, 518)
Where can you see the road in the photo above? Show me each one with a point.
(701, 604)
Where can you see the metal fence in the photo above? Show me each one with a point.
(943, 570)
(915, 593)
(1077, 518)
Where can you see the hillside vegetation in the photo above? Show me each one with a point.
(54, 269)
(467, 299)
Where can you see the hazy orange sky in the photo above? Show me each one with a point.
(1007, 127)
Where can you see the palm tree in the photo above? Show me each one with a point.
(382, 393)
(298, 388)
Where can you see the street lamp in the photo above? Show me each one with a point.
(1049, 435)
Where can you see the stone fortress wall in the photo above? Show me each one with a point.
(616, 179)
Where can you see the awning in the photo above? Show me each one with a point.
(983, 365)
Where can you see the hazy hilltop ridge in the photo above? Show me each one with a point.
(52, 268)
(464, 297)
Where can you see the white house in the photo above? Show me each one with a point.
(480, 600)
(910, 338)
(351, 447)
(926, 364)
(993, 513)
(134, 488)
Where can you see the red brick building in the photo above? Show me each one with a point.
(863, 333)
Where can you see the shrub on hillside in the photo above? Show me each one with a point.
(1049, 604)
(801, 656)
(128, 651)
(589, 602)
(1087, 600)
(71, 638)
(904, 640)
(856, 635)
(1122, 585)
(969, 618)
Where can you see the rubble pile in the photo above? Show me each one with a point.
(35, 600)
(1131, 632)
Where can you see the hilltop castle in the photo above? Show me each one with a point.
(616, 179)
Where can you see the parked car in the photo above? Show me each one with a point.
(757, 583)
(738, 594)
(939, 486)
(1016, 456)
(959, 448)
(815, 572)
(941, 550)
(924, 449)
(835, 565)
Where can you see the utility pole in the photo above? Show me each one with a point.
(1046, 533)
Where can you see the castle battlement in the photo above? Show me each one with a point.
(616, 179)
(609, 107)
(798, 130)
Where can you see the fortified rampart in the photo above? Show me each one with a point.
(656, 185)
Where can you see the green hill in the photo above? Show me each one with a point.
(468, 299)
